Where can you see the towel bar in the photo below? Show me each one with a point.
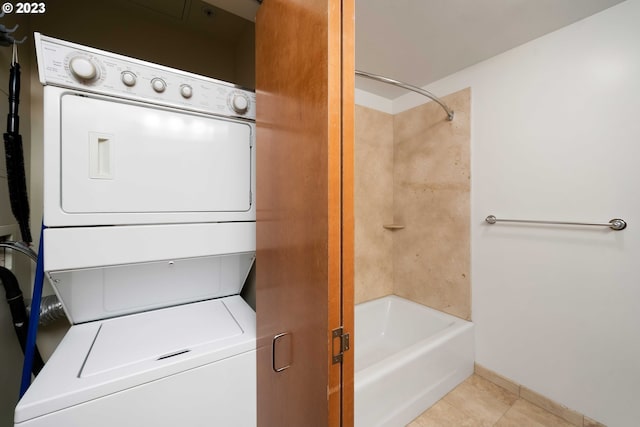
(615, 224)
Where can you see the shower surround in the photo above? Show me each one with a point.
(413, 169)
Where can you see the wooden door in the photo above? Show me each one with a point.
(304, 271)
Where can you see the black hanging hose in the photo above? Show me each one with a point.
(19, 314)
(14, 155)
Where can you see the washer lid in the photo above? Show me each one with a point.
(89, 365)
(158, 335)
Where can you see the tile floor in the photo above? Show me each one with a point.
(480, 403)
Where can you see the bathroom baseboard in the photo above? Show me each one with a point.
(569, 415)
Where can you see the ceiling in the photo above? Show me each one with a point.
(221, 19)
(245, 8)
(421, 41)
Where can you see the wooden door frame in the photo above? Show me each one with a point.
(347, 32)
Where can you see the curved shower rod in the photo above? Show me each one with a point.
(416, 89)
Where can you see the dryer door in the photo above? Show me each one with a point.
(120, 157)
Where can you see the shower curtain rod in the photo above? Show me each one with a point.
(416, 89)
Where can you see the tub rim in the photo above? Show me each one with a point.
(364, 376)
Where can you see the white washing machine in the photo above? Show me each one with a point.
(150, 213)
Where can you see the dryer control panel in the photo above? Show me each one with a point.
(69, 65)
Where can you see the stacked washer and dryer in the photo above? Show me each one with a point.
(149, 208)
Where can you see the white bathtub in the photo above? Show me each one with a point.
(407, 357)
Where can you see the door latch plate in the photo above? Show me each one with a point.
(343, 344)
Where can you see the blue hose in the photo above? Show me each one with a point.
(33, 318)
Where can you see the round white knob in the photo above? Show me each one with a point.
(128, 78)
(186, 91)
(83, 69)
(239, 103)
(158, 85)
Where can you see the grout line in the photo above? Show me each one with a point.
(502, 416)
(471, 415)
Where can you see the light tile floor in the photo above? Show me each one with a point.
(480, 403)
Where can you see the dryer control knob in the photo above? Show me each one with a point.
(186, 91)
(83, 69)
(128, 78)
(158, 85)
(239, 103)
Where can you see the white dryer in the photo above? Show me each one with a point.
(149, 210)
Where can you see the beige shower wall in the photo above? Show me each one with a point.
(373, 189)
(414, 169)
(431, 256)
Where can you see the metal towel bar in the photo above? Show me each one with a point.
(615, 224)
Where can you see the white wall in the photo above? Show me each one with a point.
(556, 135)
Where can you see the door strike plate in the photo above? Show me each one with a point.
(343, 344)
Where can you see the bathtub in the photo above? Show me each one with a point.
(407, 357)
